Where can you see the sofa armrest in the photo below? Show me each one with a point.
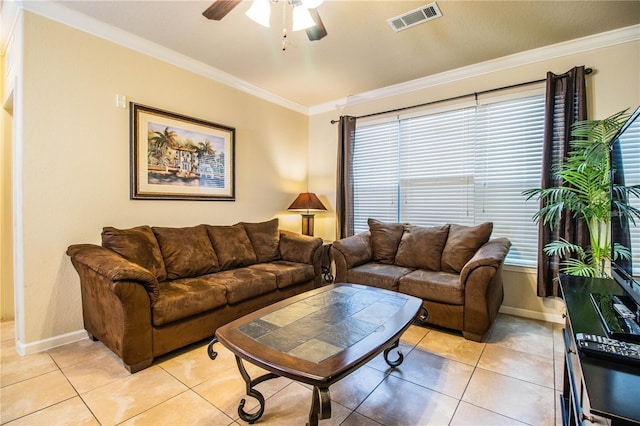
(491, 254)
(114, 267)
(350, 252)
(298, 247)
(481, 277)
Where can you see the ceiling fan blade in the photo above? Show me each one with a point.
(318, 31)
(220, 8)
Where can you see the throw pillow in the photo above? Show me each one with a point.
(232, 245)
(265, 238)
(421, 247)
(463, 242)
(137, 245)
(385, 238)
(187, 252)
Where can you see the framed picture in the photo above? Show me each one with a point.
(174, 157)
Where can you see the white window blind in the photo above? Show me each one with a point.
(631, 160)
(464, 166)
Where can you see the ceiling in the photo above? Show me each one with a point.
(361, 52)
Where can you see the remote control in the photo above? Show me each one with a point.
(611, 349)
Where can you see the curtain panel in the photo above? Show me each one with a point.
(344, 190)
(566, 103)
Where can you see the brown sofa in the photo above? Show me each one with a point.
(149, 290)
(456, 270)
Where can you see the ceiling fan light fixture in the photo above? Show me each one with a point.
(260, 12)
(312, 4)
(302, 18)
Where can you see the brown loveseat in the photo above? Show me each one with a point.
(456, 270)
(149, 290)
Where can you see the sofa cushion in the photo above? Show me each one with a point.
(462, 244)
(186, 297)
(436, 286)
(421, 247)
(287, 273)
(138, 245)
(187, 252)
(244, 283)
(377, 275)
(265, 238)
(232, 245)
(385, 238)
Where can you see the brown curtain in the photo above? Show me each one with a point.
(344, 191)
(566, 103)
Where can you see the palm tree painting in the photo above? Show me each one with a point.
(183, 157)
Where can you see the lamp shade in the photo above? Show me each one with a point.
(260, 12)
(307, 201)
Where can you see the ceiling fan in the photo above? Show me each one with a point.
(220, 8)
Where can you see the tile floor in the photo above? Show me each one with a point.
(513, 378)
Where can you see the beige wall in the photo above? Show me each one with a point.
(615, 85)
(75, 159)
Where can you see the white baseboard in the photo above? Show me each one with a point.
(525, 313)
(50, 343)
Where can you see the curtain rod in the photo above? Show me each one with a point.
(455, 98)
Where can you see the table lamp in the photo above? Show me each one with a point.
(307, 201)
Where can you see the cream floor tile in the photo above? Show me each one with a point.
(357, 419)
(31, 395)
(414, 334)
(452, 346)
(7, 330)
(127, 397)
(69, 412)
(523, 334)
(291, 406)
(194, 366)
(96, 371)
(470, 415)
(15, 368)
(510, 397)
(521, 365)
(77, 352)
(188, 408)
(398, 402)
(354, 388)
(227, 389)
(435, 372)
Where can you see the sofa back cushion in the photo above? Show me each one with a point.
(463, 242)
(232, 245)
(265, 239)
(385, 238)
(137, 245)
(187, 252)
(421, 247)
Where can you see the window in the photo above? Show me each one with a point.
(465, 165)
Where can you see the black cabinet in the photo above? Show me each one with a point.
(596, 391)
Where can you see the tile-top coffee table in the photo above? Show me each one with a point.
(318, 338)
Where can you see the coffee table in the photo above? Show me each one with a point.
(318, 338)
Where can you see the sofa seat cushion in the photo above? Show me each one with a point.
(287, 273)
(377, 275)
(244, 283)
(436, 286)
(185, 297)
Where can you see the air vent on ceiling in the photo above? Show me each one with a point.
(415, 17)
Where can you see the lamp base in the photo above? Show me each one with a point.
(307, 224)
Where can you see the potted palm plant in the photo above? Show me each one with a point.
(586, 193)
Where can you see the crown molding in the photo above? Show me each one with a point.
(571, 47)
(116, 35)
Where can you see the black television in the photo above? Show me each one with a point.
(625, 170)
